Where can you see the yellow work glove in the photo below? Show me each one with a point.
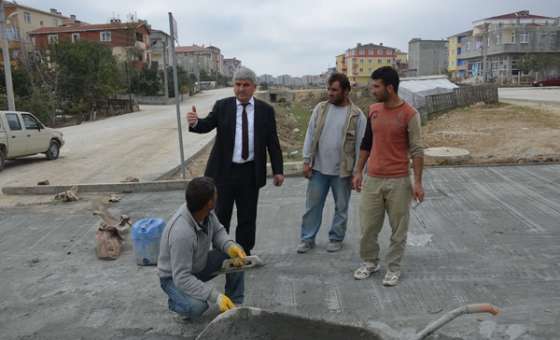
(225, 303)
(237, 254)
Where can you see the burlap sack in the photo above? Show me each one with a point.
(108, 242)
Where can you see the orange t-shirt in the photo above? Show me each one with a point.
(389, 151)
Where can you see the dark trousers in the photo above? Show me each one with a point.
(240, 187)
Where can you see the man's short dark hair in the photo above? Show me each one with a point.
(342, 79)
(200, 191)
(388, 75)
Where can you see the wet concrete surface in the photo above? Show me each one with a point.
(482, 235)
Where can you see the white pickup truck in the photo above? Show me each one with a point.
(21, 134)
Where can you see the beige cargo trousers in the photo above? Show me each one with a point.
(380, 195)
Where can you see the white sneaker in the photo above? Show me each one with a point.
(334, 246)
(391, 279)
(365, 270)
(305, 246)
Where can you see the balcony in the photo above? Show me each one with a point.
(140, 45)
(508, 48)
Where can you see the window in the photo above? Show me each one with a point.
(370, 61)
(361, 61)
(75, 37)
(139, 36)
(499, 39)
(41, 23)
(30, 122)
(105, 36)
(524, 38)
(55, 22)
(27, 17)
(388, 61)
(13, 121)
(53, 38)
(513, 37)
(379, 61)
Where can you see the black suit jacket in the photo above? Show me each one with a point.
(223, 118)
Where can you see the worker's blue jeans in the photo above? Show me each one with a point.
(192, 308)
(317, 191)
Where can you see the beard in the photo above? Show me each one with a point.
(382, 97)
(337, 101)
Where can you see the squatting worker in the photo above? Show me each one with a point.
(186, 263)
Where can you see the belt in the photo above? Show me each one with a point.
(238, 165)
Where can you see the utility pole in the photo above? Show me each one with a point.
(165, 42)
(173, 31)
(6, 56)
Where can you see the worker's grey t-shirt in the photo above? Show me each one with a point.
(327, 158)
(327, 161)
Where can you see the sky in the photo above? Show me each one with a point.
(299, 37)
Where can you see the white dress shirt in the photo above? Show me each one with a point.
(239, 132)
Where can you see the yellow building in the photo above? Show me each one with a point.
(341, 63)
(362, 60)
(456, 65)
(452, 43)
(20, 20)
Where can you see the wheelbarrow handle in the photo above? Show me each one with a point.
(482, 308)
(451, 315)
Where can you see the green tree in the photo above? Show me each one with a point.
(146, 82)
(186, 80)
(21, 80)
(539, 63)
(528, 63)
(41, 102)
(86, 72)
(204, 76)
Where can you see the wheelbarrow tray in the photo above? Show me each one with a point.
(257, 324)
(248, 323)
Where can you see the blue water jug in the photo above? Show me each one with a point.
(145, 235)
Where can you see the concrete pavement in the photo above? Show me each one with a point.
(545, 95)
(142, 144)
(482, 235)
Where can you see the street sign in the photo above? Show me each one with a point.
(173, 31)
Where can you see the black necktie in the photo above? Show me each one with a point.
(244, 133)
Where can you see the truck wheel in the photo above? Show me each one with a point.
(2, 160)
(53, 151)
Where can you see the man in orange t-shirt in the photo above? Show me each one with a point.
(392, 137)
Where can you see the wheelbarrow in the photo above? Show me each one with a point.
(249, 323)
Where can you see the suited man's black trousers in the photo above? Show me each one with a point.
(240, 187)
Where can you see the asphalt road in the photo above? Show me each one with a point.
(142, 144)
(545, 95)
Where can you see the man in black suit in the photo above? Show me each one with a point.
(246, 129)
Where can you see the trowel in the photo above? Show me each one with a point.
(249, 262)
